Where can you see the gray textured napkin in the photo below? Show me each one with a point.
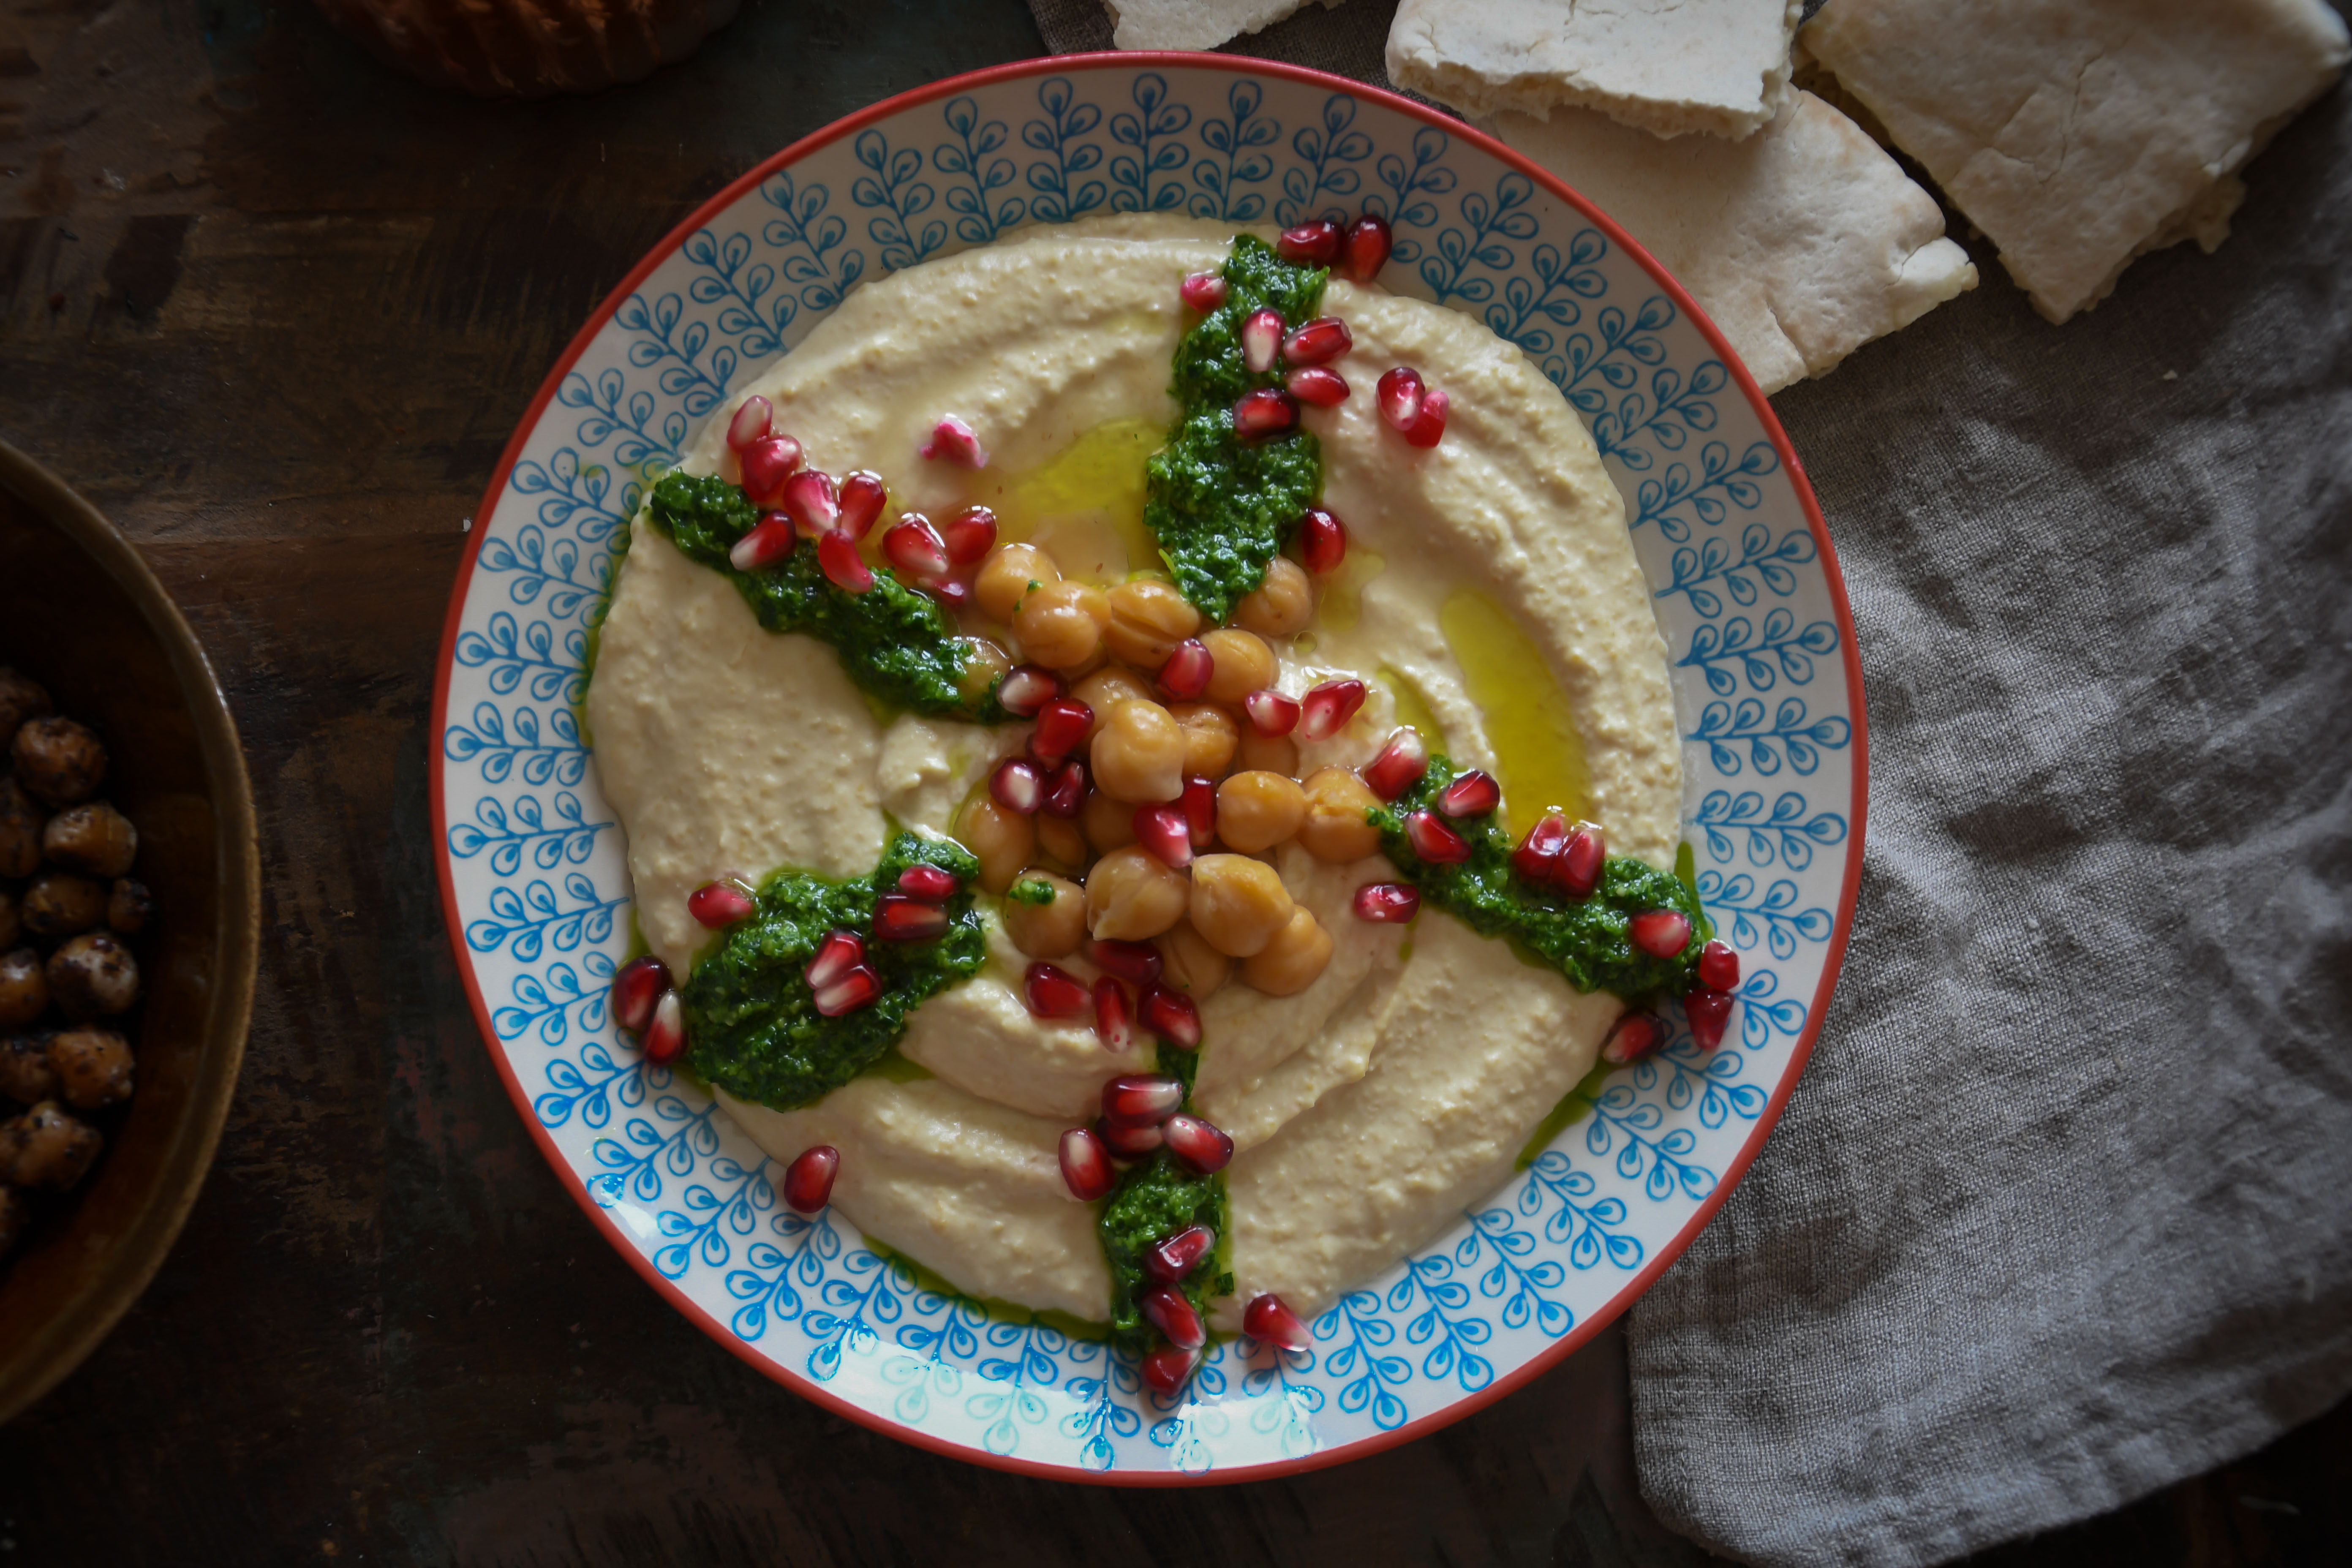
(2062, 1210)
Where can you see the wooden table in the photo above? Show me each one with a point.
(275, 309)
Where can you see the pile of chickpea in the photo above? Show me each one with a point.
(1141, 748)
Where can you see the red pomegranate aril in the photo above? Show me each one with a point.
(1400, 392)
(1709, 1011)
(1016, 786)
(952, 591)
(855, 989)
(1204, 291)
(769, 466)
(808, 1180)
(1428, 427)
(718, 905)
(1270, 712)
(1392, 903)
(1324, 712)
(1186, 674)
(954, 441)
(1172, 1016)
(1202, 1149)
(1260, 339)
(915, 547)
(1322, 540)
(1138, 962)
(1085, 1164)
(1025, 691)
(770, 539)
(1168, 1369)
(897, 918)
(1054, 993)
(1365, 250)
(1114, 1015)
(1062, 726)
(1316, 243)
(837, 955)
(1536, 859)
(933, 884)
(1164, 835)
(1319, 341)
(847, 570)
(1434, 841)
(1141, 1099)
(1066, 790)
(1581, 860)
(1718, 966)
(1400, 765)
(1129, 1143)
(1268, 411)
(1165, 1309)
(1634, 1037)
(970, 534)
(1174, 1259)
(1198, 803)
(1475, 794)
(1661, 933)
(1269, 1321)
(635, 989)
(1317, 387)
(862, 499)
(754, 418)
(813, 503)
(665, 1035)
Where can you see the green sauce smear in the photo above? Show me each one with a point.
(1152, 1202)
(1221, 506)
(752, 1022)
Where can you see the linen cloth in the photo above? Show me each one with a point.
(2061, 1211)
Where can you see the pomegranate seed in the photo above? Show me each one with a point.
(1202, 1149)
(754, 417)
(1161, 830)
(1661, 933)
(1085, 1165)
(1138, 961)
(1016, 786)
(1181, 1252)
(641, 984)
(1062, 727)
(1635, 1035)
(843, 567)
(954, 441)
(837, 955)
(1129, 1143)
(718, 905)
(1270, 1322)
(1434, 841)
(1582, 861)
(1400, 765)
(812, 502)
(1536, 859)
(1317, 387)
(1709, 1011)
(1056, 993)
(1168, 1369)
(1186, 674)
(1260, 339)
(1325, 711)
(1366, 247)
(1165, 1309)
(769, 468)
(1319, 341)
(1204, 291)
(855, 989)
(1322, 540)
(1142, 1099)
(1025, 691)
(770, 539)
(1392, 903)
(897, 918)
(933, 884)
(952, 592)
(1718, 966)
(1114, 1016)
(1429, 426)
(1270, 712)
(1268, 411)
(862, 499)
(1065, 792)
(915, 548)
(1199, 803)
(1400, 393)
(1474, 794)
(808, 1180)
(665, 1035)
(1316, 244)
(1171, 1016)
(970, 535)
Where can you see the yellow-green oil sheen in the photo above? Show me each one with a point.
(1531, 725)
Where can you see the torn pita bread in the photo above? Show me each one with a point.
(2079, 134)
(1667, 66)
(1803, 242)
(1192, 24)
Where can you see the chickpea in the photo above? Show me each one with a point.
(1266, 753)
(1258, 810)
(1244, 663)
(1106, 690)
(1004, 840)
(93, 974)
(26, 1074)
(1237, 903)
(15, 1213)
(1051, 929)
(1006, 576)
(59, 761)
(1060, 839)
(59, 903)
(94, 837)
(130, 908)
(1283, 604)
(21, 697)
(1131, 897)
(1140, 756)
(1061, 624)
(93, 1067)
(1210, 736)
(1109, 824)
(20, 830)
(24, 988)
(1188, 963)
(1147, 619)
(1335, 828)
(46, 1148)
(12, 921)
(1293, 961)
(985, 663)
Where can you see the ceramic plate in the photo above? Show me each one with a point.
(1768, 691)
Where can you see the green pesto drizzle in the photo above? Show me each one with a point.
(1153, 1200)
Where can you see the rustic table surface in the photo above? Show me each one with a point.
(275, 311)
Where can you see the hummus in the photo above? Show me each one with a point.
(1398, 1088)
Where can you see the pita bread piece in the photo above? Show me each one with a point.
(2079, 134)
(1192, 24)
(1803, 242)
(1667, 66)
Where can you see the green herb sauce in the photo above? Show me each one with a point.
(1152, 1202)
(1221, 506)
(751, 1018)
(899, 646)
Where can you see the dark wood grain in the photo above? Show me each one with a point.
(276, 309)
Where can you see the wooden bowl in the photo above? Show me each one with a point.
(84, 616)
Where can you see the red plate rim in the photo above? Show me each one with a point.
(1582, 1333)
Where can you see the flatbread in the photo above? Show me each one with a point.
(1192, 24)
(1803, 242)
(2079, 134)
(1667, 66)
